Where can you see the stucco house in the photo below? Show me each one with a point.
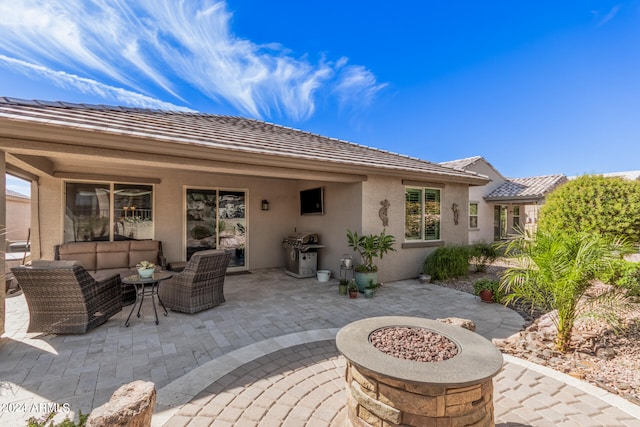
(192, 180)
(18, 216)
(504, 206)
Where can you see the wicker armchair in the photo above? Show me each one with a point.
(199, 286)
(63, 298)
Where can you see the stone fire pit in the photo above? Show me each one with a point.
(386, 388)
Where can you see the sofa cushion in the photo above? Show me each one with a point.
(83, 252)
(143, 250)
(112, 255)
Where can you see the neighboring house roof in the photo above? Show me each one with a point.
(227, 133)
(630, 175)
(461, 163)
(522, 189)
(465, 164)
(16, 194)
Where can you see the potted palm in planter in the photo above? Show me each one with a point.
(369, 247)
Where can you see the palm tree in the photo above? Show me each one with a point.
(554, 272)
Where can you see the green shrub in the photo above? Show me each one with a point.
(447, 262)
(623, 274)
(34, 422)
(200, 232)
(608, 207)
(482, 254)
(490, 285)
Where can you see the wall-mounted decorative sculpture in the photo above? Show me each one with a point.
(456, 213)
(383, 212)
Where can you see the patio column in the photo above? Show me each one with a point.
(3, 239)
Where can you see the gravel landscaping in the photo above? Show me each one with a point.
(598, 355)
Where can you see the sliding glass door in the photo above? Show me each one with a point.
(216, 219)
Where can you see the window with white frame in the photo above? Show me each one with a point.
(473, 215)
(422, 214)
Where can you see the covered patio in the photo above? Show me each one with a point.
(277, 331)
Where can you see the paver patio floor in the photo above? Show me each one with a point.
(230, 357)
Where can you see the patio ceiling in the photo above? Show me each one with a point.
(60, 139)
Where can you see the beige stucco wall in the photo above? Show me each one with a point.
(484, 232)
(342, 211)
(3, 244)
(407, 262)
(18, 217)
(352, 206)
(266, 229)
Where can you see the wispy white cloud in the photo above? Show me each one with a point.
(603, 19)
(146, 45)
(357, 83)
(89, 86)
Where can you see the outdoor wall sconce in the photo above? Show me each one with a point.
(265, 205)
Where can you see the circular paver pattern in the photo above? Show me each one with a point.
(301, 385)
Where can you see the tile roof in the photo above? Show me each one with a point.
(526, 188)
(16, 194)
(219, 132)
(462, 164)
(465, 164)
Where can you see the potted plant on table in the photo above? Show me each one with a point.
(488, 290)
(146, 269)
(369, 247)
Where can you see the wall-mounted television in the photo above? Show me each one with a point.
(312, 201)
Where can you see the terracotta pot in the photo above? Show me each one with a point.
(486, 295)
(353, 294)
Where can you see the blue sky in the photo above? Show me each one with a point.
(536, 87)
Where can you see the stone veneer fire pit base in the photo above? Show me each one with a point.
(386, 391)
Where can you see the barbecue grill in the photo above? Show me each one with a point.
(301, 250)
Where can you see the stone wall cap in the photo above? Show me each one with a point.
(477, 359)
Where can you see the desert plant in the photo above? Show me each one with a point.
(447, 262)
(370, 247)
(482, 254)
(554, 272)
